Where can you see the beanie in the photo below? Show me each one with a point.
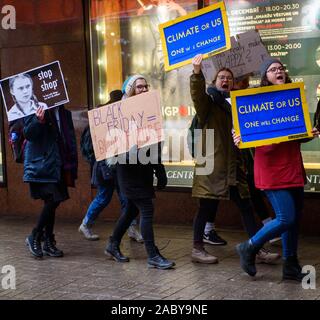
(127, 85)
(266, 64)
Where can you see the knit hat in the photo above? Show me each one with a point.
(266, 64)
(127, 85)
(115, 95)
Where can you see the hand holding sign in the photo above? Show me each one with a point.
(40, 114)
(270, 114)
(196, 61)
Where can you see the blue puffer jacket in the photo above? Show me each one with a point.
(42, 159)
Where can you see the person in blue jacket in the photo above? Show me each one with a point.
(50, 167)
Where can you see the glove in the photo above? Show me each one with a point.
(161, 176)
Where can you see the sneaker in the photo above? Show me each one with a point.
(265, 256)
(213, 238)
(86, 231)
(202, 256)
(134, 234)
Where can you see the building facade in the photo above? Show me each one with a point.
(100, 42)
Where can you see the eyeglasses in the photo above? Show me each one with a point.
(141, 87)
(275, 69)
(228, 78)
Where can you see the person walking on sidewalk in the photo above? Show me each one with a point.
(279, 171)
(136, 184)
(50, 167)
(105, 179)
(228, 179)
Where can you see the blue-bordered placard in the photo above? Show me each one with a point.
(205, 31)
(271, 114)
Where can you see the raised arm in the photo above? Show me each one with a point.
(198, 90)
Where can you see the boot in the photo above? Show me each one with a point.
(292, 270)
(49, 247)
(34, 244)
(200, 255)
(158, 252)
(247, 253)
(113, 251)
(156, 260)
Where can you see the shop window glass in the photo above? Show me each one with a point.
(290, 31)
(125, 40)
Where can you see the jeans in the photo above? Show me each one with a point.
(145, 206)
(287, 205)
(101, 201)
(208, 209)
(257, 198)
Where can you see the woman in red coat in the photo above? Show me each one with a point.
(279, 171)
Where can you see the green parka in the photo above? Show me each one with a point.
(214, 112)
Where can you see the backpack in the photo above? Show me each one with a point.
(86, 146)
(193, 137)
(17, 140)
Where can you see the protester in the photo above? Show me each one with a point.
(316, 119)
(50, 167)
(228, 179)
(25, 102)
(104, 178)
(279, 171)
(136, 184)
(257, 196)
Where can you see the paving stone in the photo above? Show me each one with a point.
(85, 273)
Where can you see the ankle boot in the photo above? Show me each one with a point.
(156, 260)
(49, 247)
(34, 244)
(292, 270)
(113, 251)
(247, 253)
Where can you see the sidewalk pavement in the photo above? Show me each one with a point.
(85, 273)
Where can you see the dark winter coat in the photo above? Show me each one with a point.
(136, 180)
(101, 173)
(214, 112)
(43, 159)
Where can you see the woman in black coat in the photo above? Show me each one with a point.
(50, 166)
(136, 184)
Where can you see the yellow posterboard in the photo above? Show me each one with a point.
(271, 114)
(205, 31)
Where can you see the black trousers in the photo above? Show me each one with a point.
(145, 206)
(208, 210)
(47, 217)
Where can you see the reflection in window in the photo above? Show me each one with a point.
(125, 40)
(290, 32)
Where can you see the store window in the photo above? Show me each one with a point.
(125, 40)
(290, 30)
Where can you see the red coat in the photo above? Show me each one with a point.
(279, 166)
